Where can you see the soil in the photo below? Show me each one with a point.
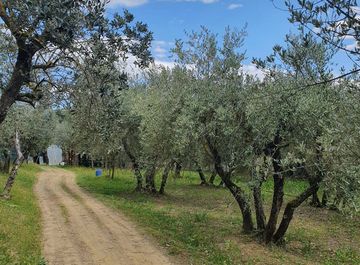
(78, 229)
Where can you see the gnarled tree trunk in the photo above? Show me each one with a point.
(315, 201)
(19, 158)
(290, 209)
(135, 166)
(212, 177)
(235, 190)
(150, 178)
(292, 205)
(259, 209)
(273, 149)
(6, 167)
(165, 175)
(201, 174)
(178, 168)
(19, 76)
(112, 170)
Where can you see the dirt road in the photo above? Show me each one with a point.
(77, 229)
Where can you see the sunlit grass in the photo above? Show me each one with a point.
(202, 225)
(20, 221)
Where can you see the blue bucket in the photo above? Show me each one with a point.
(98, 172)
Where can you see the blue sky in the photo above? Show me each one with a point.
(169, 19)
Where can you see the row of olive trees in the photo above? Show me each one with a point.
(207, 109)
(206, 112)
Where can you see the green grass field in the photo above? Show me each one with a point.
(196, 225)
(20, 221)
(202, 225)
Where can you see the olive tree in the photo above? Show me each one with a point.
(29, 131)
(290, 115)
(343, 179)
(335, 22)
(104, 125)
(47, 39)
(215, 104)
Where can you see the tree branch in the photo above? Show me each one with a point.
(27, 98)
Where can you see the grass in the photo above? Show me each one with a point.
(202, 225)
(20, 231)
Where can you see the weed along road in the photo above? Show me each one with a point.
(77, 229)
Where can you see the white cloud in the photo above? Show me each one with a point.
(161, 49)
(351, 43)
(135, 73)
(352, 47)
(234, 6)
(160, 52)
(165, 64)
(159, 42)
(251, 69)
(349, 37)
(127, 3)
(356, 9)
(316, 30)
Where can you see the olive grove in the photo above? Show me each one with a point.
(206, 113)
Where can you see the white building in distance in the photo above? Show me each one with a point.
(54, 154)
